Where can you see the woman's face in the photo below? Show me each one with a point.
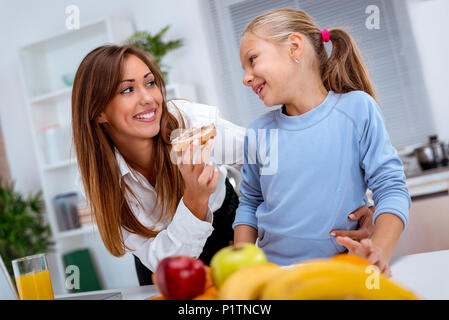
(267, 68)
(136, 109)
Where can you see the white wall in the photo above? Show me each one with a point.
(430, 27)
(192, 63)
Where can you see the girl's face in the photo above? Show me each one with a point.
(136, 109)
(268, 68)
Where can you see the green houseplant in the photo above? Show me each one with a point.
(23, 231)
(155, 46)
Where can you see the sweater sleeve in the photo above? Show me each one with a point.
(383, 170)
(250, 190)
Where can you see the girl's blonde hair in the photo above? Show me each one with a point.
(95, 84)
(342, 72)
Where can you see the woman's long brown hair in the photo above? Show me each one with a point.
(342, 72)
(96, 83)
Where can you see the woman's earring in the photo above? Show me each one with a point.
(298, 60)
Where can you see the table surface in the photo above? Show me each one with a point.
(423, 273)
(139, 293)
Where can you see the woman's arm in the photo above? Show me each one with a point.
(199, 184)
(188, 231)
(228, 145)
(364, 216)
(185, 235)
(228, 149)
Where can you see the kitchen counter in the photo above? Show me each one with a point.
(139, 293)
(431, 172)
(424, 273)
(426, 176)
(428, 182)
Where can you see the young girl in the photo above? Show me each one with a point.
(142, 201)
(331, 146)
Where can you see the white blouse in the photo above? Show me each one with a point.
(185, 234)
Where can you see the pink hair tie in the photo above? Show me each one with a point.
(325, 35)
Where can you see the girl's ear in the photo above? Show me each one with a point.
(295, 45)
(102, 118)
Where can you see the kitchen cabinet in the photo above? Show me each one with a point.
(428, 225)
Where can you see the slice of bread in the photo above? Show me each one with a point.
(203, 134)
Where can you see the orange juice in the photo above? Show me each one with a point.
(35, 286)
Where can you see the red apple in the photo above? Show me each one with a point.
(181, 277)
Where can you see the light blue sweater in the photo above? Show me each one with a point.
(299, 189)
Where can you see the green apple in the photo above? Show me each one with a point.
(233, 258)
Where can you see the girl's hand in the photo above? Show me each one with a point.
(366, 228)
(200, 180)
(368, 250)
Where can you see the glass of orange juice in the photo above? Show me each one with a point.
(33, 278)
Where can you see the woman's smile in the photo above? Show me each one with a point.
(136, 110)
(148, 115)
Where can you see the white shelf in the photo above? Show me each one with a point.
(60, 165)
(52, 96)
(83, 230)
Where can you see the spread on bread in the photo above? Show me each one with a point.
(203, 134)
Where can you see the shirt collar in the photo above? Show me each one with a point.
(125, 169)
(123, 165)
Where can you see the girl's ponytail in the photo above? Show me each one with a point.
(344, 70)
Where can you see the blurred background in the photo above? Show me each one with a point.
(403, 44)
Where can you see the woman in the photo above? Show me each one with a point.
(142, 201)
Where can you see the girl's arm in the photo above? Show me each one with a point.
(387, 232)
(245, 223)
(384, 175)
(380, 247)
(383, 171)
(245, 233)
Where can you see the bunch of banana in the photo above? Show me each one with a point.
(314, 279)
(330, 279)
(248, 283)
